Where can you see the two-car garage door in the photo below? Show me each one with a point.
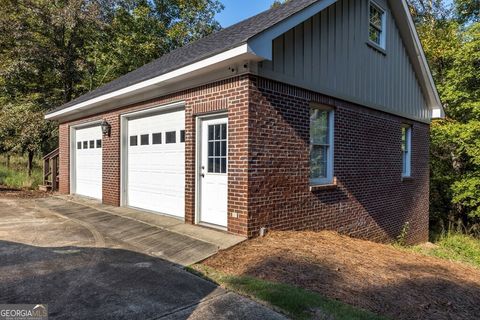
(155, 175)
(154, 162)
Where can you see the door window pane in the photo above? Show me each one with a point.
(157, 138)
(133, 141)
(217, 148)
(171, 137)
(145, 139)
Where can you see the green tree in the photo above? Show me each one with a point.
(451, 39)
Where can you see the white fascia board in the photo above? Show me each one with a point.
(435, 102)
(261, 44)
(208, 62)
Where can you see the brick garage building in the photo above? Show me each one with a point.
(270, 123)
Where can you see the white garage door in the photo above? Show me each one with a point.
(156, 163)
(88, 162)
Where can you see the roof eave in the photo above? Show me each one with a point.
(241, 52)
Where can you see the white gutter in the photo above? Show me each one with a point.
(232, 53)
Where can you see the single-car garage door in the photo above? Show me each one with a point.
(88, 162)
(156, 163)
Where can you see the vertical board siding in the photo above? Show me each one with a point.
(329, 54)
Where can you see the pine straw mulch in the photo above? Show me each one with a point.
(6, 192)
(380, 278)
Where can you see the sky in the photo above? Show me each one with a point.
(238, 10)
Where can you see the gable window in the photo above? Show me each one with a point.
(406, 150)
(321, 144)
(377, 25)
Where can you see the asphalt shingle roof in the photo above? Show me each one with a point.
(211, 45)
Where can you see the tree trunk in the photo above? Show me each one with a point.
(30, 163)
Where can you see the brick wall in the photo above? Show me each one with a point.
(371, 200)
(229, 95)
(269, 162)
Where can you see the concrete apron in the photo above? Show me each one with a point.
(156, 235)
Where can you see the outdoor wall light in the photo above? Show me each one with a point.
(106, 128)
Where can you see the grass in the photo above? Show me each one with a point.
(293, 301)
(16, 175)
(455, 247)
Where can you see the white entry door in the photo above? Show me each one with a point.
(156, 163)
(88, 162)
(213, 172)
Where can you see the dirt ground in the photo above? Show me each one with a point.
(11, 193)
(379, 278)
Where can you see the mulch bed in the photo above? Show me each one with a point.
(376, 277)
(6, 192)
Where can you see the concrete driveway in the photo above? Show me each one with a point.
(82, 271)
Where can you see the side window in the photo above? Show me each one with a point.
(321, 144)
(407, 151)
(79, 145)
(377, 25)
(171, 137)
(157, 138)
(133, 141)
(145, 139)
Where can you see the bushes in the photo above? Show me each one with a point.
(16, 175)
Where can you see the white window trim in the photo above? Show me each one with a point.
(408, 141)
(331, 150)
(383, 34)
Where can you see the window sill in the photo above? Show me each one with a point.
(405, 179)
(376, 47)
(326, 186)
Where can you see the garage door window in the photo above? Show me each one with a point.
(85, 144)
(157, 138)
(182, 136)
(145, 139)
(133, 141)
(99, 144)
(171, 137)
(92, 144)
(79, 145)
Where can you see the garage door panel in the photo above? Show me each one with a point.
(88, 162)
(156, 172)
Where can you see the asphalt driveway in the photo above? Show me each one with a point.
(82, 272)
